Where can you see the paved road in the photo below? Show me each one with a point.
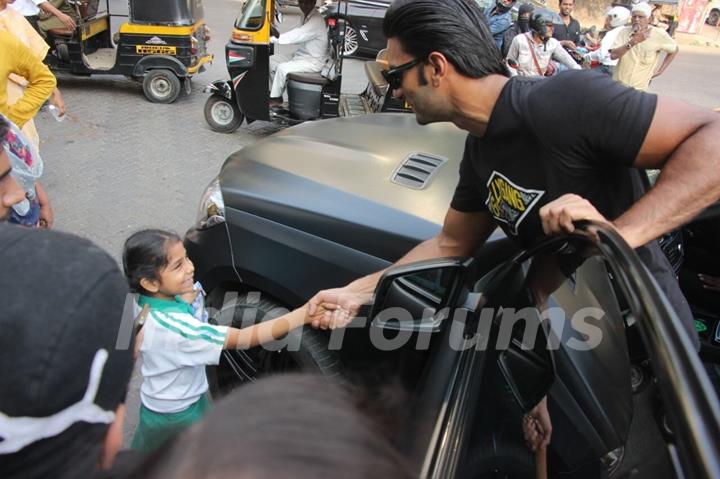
(119, 163)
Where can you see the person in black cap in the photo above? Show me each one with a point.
(63, 375)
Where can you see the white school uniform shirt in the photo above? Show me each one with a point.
(175, 349)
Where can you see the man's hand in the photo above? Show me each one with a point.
(639, 36)
(340, 306)
(557, 216)
(570, 45)
(67, 20)
(537, 427)
(710, 282)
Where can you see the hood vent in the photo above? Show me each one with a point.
(416, 170)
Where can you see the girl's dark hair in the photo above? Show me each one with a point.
(290, 425)
(144, 254)
(455, 28)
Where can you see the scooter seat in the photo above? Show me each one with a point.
(312, 78)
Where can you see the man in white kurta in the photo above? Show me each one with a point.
(312, 40)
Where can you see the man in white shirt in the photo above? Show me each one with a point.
(31, 10)
(310, 57)
(615, 20)
(530, 53)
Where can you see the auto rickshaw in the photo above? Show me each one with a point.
(312, 96)
(163, 44)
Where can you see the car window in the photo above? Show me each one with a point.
(252, 16)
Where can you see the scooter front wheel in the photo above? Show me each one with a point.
(223, 115)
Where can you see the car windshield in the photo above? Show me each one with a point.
(252, 15)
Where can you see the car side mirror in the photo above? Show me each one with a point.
(419, 296)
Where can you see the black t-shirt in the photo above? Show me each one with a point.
(577, 132)
(570, 32)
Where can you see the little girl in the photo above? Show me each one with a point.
(175, 345)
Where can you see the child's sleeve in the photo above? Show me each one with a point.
(195, 342)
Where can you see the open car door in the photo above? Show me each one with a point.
(461, 421)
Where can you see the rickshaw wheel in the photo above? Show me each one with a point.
(223, 115)
(161, 86)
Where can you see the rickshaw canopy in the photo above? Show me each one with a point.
(165, 12)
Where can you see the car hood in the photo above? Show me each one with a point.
(359, 155)
(332, 177)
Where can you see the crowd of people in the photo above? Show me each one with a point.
(542, 42)
(579, 138)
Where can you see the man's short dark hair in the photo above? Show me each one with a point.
(455, 28)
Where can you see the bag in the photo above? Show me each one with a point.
(551, 68)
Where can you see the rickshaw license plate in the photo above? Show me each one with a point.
(155, 50)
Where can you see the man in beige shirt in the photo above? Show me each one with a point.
(638, 48)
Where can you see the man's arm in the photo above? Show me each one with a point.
(298, 35)
(689, 181)
(462, 234)
(666, 62)
(561, 55)
(67, 20)
(41, 83)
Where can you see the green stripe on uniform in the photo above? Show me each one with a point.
(203, 328)
(186, 335)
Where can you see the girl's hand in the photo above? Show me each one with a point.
(318, 313)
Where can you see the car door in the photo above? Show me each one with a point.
(452, 415)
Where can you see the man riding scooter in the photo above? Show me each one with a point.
(310, 57)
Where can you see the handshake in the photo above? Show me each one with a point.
(335, 308)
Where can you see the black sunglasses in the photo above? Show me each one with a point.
(394, 76)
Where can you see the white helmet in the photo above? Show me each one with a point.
(619, 16)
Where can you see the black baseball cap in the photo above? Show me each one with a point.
(61, 310)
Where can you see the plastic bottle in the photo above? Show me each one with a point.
(56, 113)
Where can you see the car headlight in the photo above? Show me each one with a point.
(212, 206)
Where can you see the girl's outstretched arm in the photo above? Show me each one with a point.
(268, 331)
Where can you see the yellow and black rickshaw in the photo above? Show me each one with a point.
(163, 44)
(312, 96)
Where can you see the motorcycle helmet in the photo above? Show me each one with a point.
(524, 13)
(503, 6)
(540, 20)
(619, 16)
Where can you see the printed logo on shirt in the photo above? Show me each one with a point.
(508, 202)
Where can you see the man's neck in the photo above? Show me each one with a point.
(566, 18)
(474, 100)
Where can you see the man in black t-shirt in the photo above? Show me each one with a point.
(541, 153)
(567, 32)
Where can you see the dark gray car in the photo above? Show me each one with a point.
(320, 204)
